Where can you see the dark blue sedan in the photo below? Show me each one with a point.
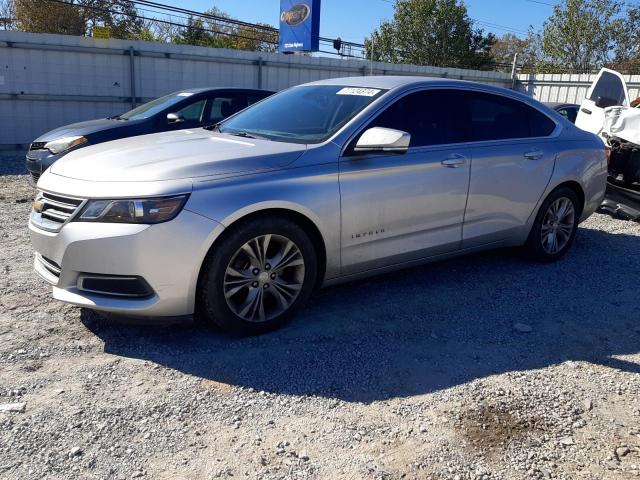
(180, 110)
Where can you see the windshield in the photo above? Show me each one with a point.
(149, 109)
(308, 114)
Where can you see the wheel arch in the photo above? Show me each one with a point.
(576, 187)
(572, 184)
(295, 213)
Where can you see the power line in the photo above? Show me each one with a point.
(255, 26)
(542, 3)
(500, 27)
(486, 23)
(115, 12)
(251, 26)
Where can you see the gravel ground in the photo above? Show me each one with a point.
(484, 367)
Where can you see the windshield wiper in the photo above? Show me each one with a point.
(117, 117)
(246, 135)
(242, 134)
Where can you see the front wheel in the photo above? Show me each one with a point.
(257, 276)
(555, 226)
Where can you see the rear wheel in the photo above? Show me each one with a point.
(257, 276)
(555, 227)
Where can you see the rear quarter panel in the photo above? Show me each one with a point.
(582, 161)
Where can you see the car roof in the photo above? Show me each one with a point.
(387, 81)
(397, 82)
(215, 89)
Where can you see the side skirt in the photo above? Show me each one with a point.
(412, 263)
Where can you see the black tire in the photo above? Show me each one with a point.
(212, 305)
(535, 248)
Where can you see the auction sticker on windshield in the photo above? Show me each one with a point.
(361, 92)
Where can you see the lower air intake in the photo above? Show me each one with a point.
(115, 286)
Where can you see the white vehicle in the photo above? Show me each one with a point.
(607, 112)
(608, 90)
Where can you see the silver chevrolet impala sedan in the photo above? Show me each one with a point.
(321, 183)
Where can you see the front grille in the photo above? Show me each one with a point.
(58, 209)
(37, 146)
(52, 211)
(52, 267)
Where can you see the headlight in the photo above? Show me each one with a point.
(64, 144)
(145, 210)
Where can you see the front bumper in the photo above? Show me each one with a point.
(168, 256)
(37, 161)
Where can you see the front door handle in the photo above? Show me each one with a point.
(533, 155)
(454, 161)
(586, 110)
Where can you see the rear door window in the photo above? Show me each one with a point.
(494, 117)
(226, 105)
(540, 124)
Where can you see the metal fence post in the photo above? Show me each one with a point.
(513, 71)
(132, 69)
(259, 73)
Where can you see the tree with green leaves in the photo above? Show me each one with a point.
(582, 34)
(256, 40)
(78, 17)
(205, 34)
(194, 33)
(211, 31)
(627, 51)
(48, 17)
(509, 45)
(431, 32)
(120, 16)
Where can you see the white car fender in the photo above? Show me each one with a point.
(622, 122)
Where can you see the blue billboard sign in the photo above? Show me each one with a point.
(299, 25)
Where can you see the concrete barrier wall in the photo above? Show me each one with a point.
(51, 80)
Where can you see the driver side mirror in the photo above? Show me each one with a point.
(173, 118)
(378, 139)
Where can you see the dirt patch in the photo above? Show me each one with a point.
(216, 386)
(492, 427)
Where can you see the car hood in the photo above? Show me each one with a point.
(84, 129)
(175, 155)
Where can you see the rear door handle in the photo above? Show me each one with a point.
(586, 110)
(454, 161)
(533, 155)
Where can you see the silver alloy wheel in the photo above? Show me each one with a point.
(557, 225)
(264, 278)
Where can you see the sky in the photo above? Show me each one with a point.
(353, 20)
